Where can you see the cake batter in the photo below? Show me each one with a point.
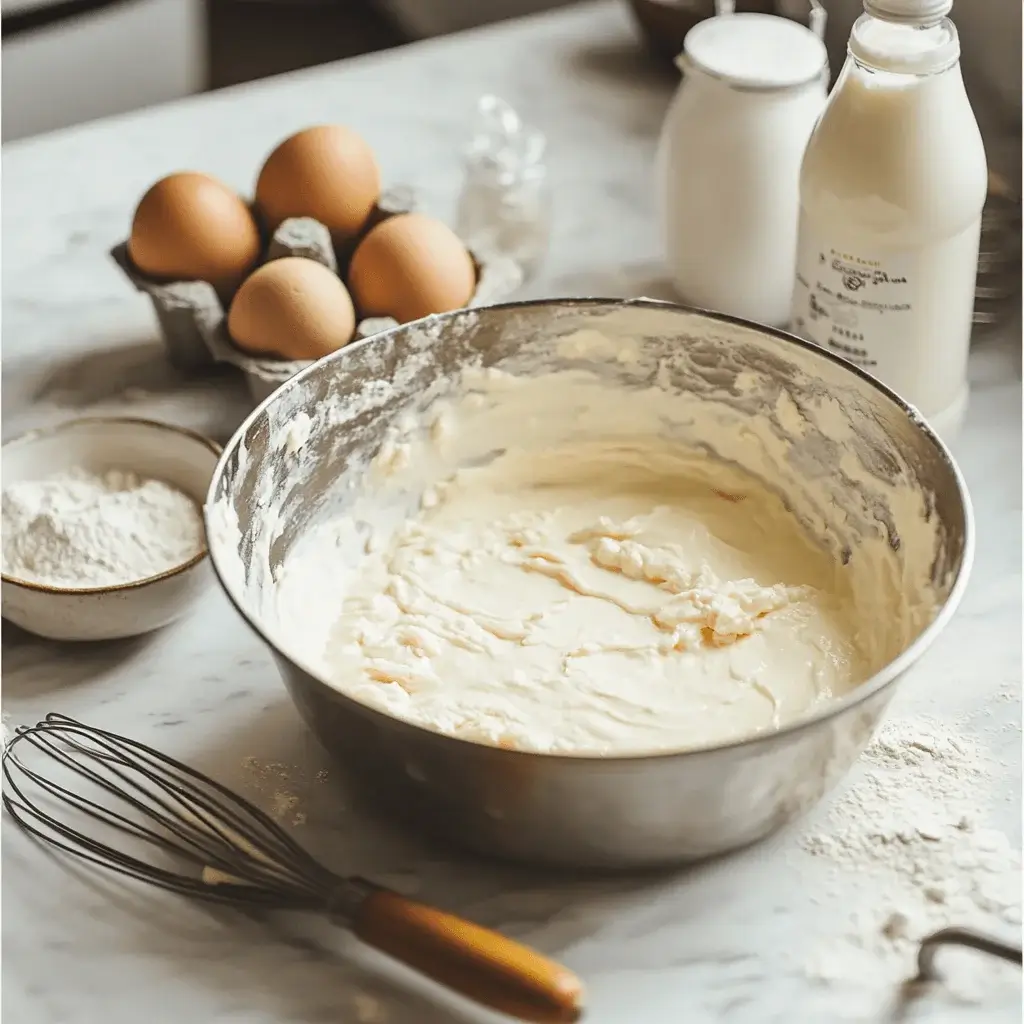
(527, 569)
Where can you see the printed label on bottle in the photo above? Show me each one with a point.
(852, 304)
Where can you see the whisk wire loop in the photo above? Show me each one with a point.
(238, 853)
(195, 849)
(77, 800)
(182, 780)
(174, 777)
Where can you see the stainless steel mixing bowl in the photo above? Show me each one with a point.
(583, 811)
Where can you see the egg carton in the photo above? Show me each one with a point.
(193, 320)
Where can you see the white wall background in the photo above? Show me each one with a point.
(990, 34)
(426, 18)
(123, 58)
(151, 51)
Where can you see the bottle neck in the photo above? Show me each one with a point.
(909, 12)
(918, 48)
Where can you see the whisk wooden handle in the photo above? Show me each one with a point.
(478, 962)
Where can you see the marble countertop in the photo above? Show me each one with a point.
(726, 941)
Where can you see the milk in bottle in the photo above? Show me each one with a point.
(891, 190)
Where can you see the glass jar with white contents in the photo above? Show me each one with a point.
(729, 160)
(891, 195)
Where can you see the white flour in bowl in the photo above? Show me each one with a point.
(79, 529)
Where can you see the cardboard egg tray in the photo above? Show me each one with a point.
(193, 320)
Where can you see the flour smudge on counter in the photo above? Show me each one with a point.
(909, 842)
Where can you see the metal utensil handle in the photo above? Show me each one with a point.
(811, 10)
(931, 944)
(481, 964)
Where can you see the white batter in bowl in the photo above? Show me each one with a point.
(569, 552)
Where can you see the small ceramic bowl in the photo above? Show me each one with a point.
(157, 450)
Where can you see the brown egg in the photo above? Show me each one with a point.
(411, 266)
(191, 227)
(328, 173)
(293, 308)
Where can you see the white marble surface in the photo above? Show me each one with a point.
(726, 941)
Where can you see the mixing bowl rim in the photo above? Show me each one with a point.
(882, 679)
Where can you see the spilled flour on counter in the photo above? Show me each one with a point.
(912, 825)
(368, 1009)
(281, 788)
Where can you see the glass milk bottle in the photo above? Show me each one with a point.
(729, 160)
(891, 193)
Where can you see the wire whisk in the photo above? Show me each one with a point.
(94, 794)
(969, 939)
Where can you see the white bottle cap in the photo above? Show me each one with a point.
(755, 51)
(908, 10)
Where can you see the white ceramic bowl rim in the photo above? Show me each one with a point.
(84, 421)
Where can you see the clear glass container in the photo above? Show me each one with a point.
(504, 209)
(891, 193)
